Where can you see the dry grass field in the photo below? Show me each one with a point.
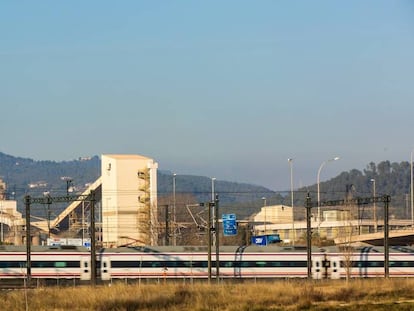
(375, 294)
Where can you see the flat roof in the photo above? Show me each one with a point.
(126, 156)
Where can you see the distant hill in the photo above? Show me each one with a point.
(26, 176)
(391, 178)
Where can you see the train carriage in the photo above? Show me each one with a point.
(47, 262)
(368, 261)
(192, 262)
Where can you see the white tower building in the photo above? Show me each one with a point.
(129, 200)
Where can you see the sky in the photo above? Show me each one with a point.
(224, 89)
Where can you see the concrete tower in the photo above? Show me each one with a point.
(129, 200)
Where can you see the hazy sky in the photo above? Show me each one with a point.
(229, 89)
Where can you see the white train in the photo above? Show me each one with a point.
(251, 262)
(192, 262)
(72, 263)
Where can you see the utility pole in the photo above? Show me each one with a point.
(167, 230)
(309, 235)
(216, 208)
(28, 241)
(386, 199)
(93, 239)
(48, 200)
(48, 215)
(209, 205)
(174, 212)
(386, 235)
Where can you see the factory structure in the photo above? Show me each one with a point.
(126, 194)
(129, 200)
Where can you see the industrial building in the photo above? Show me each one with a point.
(11, 222)
(129, 200)
(125, 209)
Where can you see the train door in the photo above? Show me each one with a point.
(105, 268)
(317, 268)
(85, 266)
(334, 269)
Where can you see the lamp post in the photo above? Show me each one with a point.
(47, 195)
(1, 222)
(174, 212)
(68, 184)
(290, 160)
(265, 220)
(212, 197)
(318, 182)
(2, 193)
(412, 191)
(212, 189)
(375, 206)
(213, 212)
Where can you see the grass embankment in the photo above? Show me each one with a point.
(378, 294)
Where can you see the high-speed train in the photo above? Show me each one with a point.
(191, 262)
(46, 263)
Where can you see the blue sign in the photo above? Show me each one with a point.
(259, 240)
(265, 239)
(229, 224)
(273, 238)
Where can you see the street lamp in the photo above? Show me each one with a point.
(2, 219)
(68, 184)
(412, 195)
(174, 212)
(47, 195)
(290, 160)
(213, 210)
(212, 189)
(264, 207)
(375, 206)
(318, 182)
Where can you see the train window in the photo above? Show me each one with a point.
(374, 264)
(408, 264)
(60, 264)
(264, 264)
(298, 264)
(127, 264)
(226, 264)
(12, 264)
(202, 264)
(56, 264)
(362, 264)
(245, 264)
(187, 264)
(199, 264)
(174, 264)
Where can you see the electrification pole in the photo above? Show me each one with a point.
(167, 230)
(28, 241)
(216, 209)
(209, 205)
(386, 199)
(309, 235)
(62, 199)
